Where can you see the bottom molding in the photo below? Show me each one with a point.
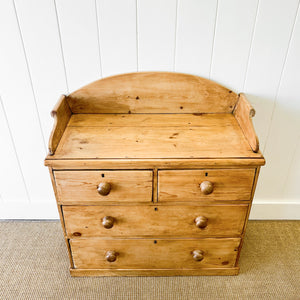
(154, 272)
(271, 210)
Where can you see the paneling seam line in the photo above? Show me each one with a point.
(30, 77)
(281, 76)
(175, 38)
(15, 150)
(61, 47)
(98, 39)
(251, 46)
(213, 42)
(137, 35)
(290, 165)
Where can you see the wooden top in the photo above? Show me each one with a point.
(154, 115)
(153, 136)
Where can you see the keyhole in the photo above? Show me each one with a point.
(102, 175)
(206, 174)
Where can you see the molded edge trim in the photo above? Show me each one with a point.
(154, 272)
(61, 114)
(166, 163)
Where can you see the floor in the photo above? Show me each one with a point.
(34, 265)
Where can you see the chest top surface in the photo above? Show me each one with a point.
(153, 115)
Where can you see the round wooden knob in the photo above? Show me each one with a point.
(104, 188)
(108, 222)
(198, 255)
(111, 256)
(206, 187)
(201, 222)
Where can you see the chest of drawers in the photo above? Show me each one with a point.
(154, 174)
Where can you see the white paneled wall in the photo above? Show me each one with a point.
(156, 33)
(50, 47)
(195, 33)
(117, 25)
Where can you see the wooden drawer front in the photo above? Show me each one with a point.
(80, 187)
(215, 220)
(184, 185)
(151, 254)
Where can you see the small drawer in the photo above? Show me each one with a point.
(93, 253)
(101, 186)
(148, 220)
(212, 184)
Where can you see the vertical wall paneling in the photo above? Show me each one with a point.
(117, 36)
(12, 185)
(156, 34)
(52, 47)
(79, 33)
(285, 127)
(38, 24)
(269, 48)
(291, 184)
(20, 107)
(233, 35)
(195, 34)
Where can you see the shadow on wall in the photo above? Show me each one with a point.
(278, 128)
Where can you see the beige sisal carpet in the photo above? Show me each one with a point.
(34, 265)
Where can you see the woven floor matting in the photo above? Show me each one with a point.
(34, 265)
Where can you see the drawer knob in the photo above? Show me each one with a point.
(108, 222)
(206, 187)
(201, 222)
(198, 255)
(104, 188)
(111, 256)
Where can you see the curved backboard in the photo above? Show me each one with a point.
(153, 92)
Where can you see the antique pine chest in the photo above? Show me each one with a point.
(154, 174)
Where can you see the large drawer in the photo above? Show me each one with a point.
(94, 187)
(212, 184)
(147, 220)
(96, 253)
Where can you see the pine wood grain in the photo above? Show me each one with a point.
(184, 185)
(152, 120)
(209, 136)
(150, 92)
(61, 217)
(145, 221)
(154, 174)
(81, 186)
(61, 114)
(248, 213)
(244, 113)
(154, 253)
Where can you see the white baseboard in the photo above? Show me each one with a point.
(261, 210)
(30, 211)
(268, 210)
